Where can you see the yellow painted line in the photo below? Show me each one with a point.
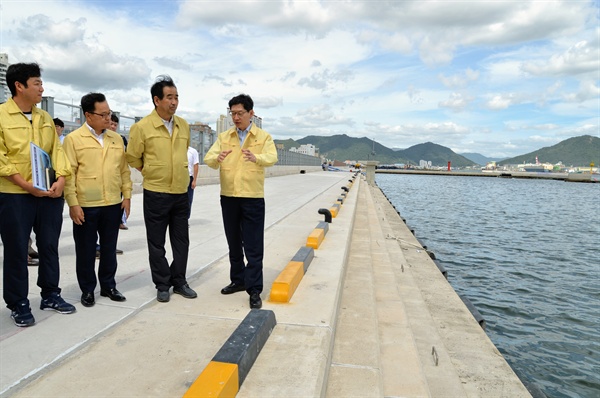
(285, 284)
(315, 238)
(218, 379)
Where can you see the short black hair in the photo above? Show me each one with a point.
(157, 89)
(21, 72)
(58, 122)
(114, 118)
(243, 99)
(88, 101)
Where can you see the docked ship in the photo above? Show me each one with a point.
(536, 167)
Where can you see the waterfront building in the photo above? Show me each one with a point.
(424, 164)
(306, 149)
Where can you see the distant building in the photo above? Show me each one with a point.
(306, 149)
(202, 137)
(225, 122)
(424, 164)
(4, 91)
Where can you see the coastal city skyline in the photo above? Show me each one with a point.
(497, 78)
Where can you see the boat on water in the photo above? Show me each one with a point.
(536, 167)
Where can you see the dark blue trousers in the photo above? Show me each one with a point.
(100, 222)
(244, 222)
(190, 195)
(19, 213)
(162, 211)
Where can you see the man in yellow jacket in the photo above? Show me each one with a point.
(100, 175)
(23, 206)
(241, 153)
(158, 148)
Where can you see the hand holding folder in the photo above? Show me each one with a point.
(43, 175)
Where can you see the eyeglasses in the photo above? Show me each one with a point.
(239, 114)
(103, 115)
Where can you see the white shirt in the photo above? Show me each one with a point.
(193, 158)
(99, 137)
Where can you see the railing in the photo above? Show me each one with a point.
(202, 137)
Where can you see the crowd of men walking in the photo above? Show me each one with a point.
(91, 172)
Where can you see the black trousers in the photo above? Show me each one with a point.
(162, 211)
(19, 213)
(190, 194)
(100, 222)
(244, 222)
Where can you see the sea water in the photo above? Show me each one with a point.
(526, 254)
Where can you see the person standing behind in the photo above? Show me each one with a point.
(193, 161)
(241, 154)
(114, 126)
(100, 175)
(24, 207)
(158, 149)
(60, 126)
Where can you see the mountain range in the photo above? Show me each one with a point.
(575, 151)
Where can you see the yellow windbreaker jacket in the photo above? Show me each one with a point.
(240, 178)
(100, 174)
(162, 157)
(16, 132)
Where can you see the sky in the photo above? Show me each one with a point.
(499, 78)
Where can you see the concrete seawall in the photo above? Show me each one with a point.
(373, 316)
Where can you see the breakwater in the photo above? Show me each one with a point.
(572, 177)
(525, 253)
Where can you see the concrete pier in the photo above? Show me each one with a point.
(372, 316)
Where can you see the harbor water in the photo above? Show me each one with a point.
(526, 253)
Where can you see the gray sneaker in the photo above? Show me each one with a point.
(56, 303)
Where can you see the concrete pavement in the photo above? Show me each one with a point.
(362, 322)
(142, 347)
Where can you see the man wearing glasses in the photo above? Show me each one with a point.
(100, 175)
(158, 148)
(241, 153)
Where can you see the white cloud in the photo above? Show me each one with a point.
(457, 102)
(459, 80)
(580, 59)
(588, 90)
(390, 70)
(499, 102)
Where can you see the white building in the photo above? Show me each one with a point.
(424, 164)
(225, 122)
(4, 91)
(306, 149)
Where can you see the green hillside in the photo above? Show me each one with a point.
(287, 144)
(341, 147)
(576, 151)
(437, 154)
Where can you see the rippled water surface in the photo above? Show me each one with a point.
(526, 253)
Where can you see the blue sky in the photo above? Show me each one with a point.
(501, 78)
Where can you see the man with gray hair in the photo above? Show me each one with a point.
(158, 149)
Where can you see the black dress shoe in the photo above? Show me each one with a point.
(186, 291)
(87, 299)
(255, 301)
(232, 288)
(163, 296)
(113, 294)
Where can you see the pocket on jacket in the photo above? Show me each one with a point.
(88, 189)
